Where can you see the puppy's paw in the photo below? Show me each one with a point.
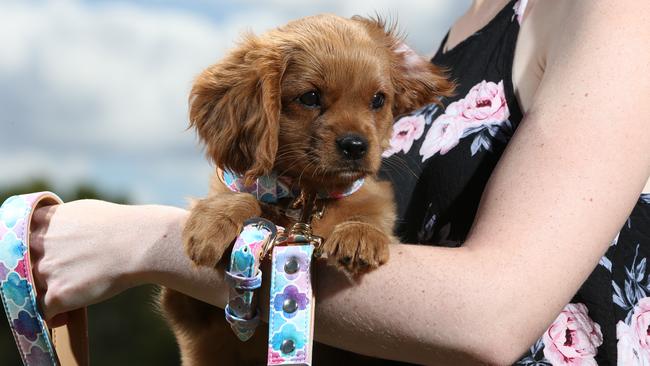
(206, 239)
(357, 247)
(213, 225)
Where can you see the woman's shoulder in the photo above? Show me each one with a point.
(545, 24)
(540, 23)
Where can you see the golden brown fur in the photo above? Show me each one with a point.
(248, 110)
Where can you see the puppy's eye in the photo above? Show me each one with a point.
(378, 101)
(310, 99)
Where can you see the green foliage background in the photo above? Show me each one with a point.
(124, 330)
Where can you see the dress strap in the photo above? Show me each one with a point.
(520, 10)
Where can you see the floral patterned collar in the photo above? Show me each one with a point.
(271, 188)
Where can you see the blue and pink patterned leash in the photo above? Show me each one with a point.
(37, 345)
(291, 307)
(292, 301)
(291, 296)
(16, 282)
(244, 275)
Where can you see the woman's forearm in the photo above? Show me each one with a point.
(408, 309)
(473, 300)
(425, 305)
(164, 262)
(422, 306)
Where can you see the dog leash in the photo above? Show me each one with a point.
(244, 275)
(37, 344)
(291, 307)
(292, 301)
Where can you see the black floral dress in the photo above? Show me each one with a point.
(440, 161)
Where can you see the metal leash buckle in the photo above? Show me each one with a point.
(270, 241)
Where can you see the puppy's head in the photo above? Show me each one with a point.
(314, 99)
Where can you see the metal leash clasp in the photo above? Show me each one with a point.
(301, 232)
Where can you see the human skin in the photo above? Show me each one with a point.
(563, 188)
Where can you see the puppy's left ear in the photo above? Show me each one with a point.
(417, 81)
(235, 107)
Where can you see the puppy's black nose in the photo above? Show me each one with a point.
(352, 146)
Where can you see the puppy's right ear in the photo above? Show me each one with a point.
(417, 81)
(235, 107)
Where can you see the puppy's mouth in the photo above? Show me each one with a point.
(346, 175)
(342, 172)
(318, 171)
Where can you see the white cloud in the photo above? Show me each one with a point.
(132, 68)
(424, 21)
(83, 83)
(97, 91)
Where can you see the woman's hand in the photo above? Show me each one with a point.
(86, 251)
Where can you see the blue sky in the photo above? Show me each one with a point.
(96, 91)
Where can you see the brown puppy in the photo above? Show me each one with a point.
(314, 101)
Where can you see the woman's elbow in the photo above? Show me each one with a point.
(493, 337)
(501, 346)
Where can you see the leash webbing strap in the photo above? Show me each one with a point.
(291, 314)
(244, 276)
(36, 344)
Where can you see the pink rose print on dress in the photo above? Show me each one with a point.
(634, 339)
(442, 136)
(405, 131)
(641, 322)
(573, 338)
(629, 351)
(485, 104)
(483, 107)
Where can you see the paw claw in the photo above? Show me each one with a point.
(363, 263)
